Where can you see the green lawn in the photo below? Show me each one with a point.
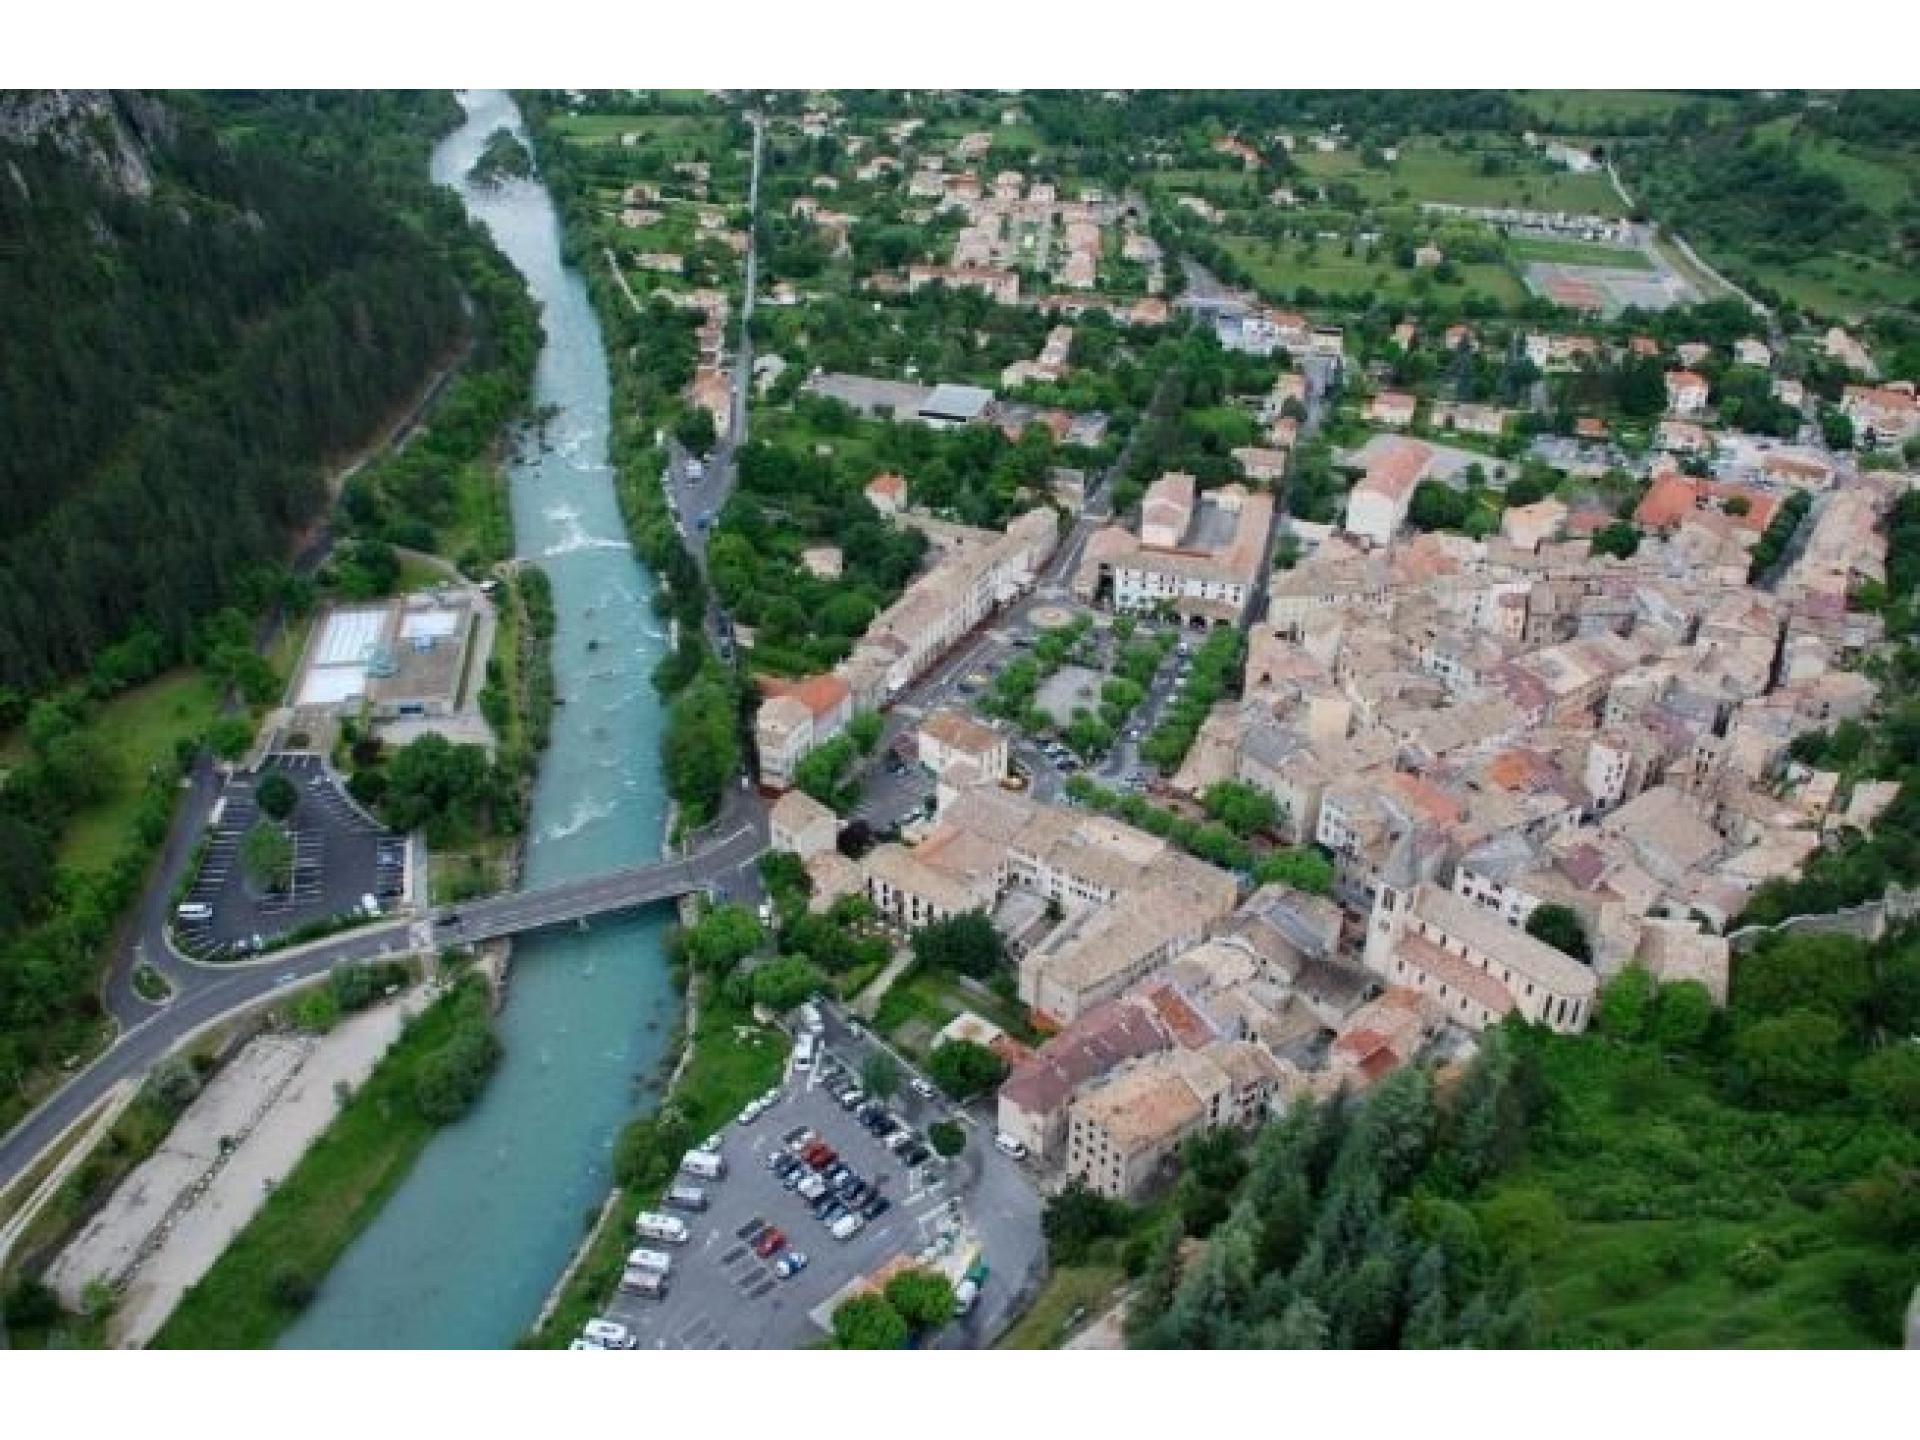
(249, 1296)
(1425, 171)
(1069, 1288)
(135, 731)
(1279, 268)
(922, 1001)
(682, 134)
(1578, 252)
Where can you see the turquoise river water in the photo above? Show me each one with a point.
(465, 1251)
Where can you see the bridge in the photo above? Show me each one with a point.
(573, 901)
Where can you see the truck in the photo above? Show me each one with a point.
(968, 1290)
(704, 1165)
(644, 1259)
(651, 1225)
(649, 1284)
(683, 1196)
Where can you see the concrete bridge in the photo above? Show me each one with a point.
(570, 902)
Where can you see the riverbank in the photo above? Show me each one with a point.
(727, 1058)
(239, 1139)
(266, 1277)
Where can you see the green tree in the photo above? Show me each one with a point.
(1889, 1080)
(966, 942)
(1626, 1004)
(695, 429)
(721, 938)
(276, 796)
(880, 1075)
(1559, 926)
(782, 984)
(1792, 1059)
(1304, 868)
(869, 1322)
(947, 1138)
(1076, 1217)
(922, 1298)
(1619, 539)
(266, 857)
(964, 1069)
(1244, 809)
(1683, 1014)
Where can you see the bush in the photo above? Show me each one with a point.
(922, 1298)
(963, 1069)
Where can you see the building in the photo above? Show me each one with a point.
(887, 493)
(1034, 1100)
(801, 825)
(1392, 409)
(1527, 527)
(1198, 555)
(1686, 393)
(1122, 1135)
(999, 285)
(402, 659)
(795, 718)
(1473, 966)
(1377, 504)
(960, 751)
(1884, 416)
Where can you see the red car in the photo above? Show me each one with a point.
(771, 1243)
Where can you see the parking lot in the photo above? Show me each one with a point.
(724, 1294)
(339, 856)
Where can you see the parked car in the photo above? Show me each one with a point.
(923, 1087)
(772, 1240)
(790, 1264)
(876, 1206)
(1007, 1145)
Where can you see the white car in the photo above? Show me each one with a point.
(1009, 1146)
(609, 1335)
(924, 1088)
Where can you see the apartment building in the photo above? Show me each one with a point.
(1198, 555)
(1122, 1135)
(1377, 504)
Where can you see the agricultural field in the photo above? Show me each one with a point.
(679, 135)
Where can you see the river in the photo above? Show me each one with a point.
(464, 1252)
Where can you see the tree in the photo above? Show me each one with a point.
(266, 857)
(1889, 1080)
(1559, 926)
(869, 1322)
(966, 942)
(721, 938)
(1618, 539)
(1626, 1004)
(695, 430)
(1792, 1059)
(1244, 809)
(1076, 1217)
(782, 984)
(1836, 428)
(963, 1069)
(865, 730)
(1683, 1014)
(922, 1298)
(947, 1138)
(1304, 868)
(276, 796)
(880, 1075)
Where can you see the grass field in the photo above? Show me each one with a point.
(135, 731)
(1283, 270)
(1425, 171)
(681, 133)
(1069, 1288)
(921, 1002)
(254, 1289)
(1577, 252)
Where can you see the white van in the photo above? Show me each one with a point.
(657, 1261)
(649, 1225)
(370, 905)
(803, 1052)
(195, 910)
(648, 1283)
(703, 1165)
(609, 1335)
(846, 1227)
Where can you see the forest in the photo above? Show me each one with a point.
(197, 354)
(202, 353)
